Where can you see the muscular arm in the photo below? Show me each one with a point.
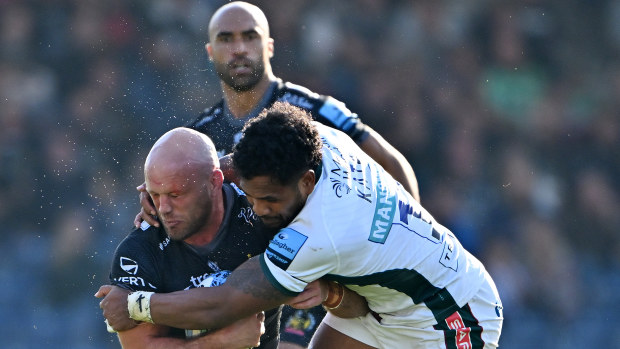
(242, 334)
(317, 292)
(392, 161)
(246, 292)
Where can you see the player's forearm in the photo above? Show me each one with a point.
(198, 308)
(172, 343)
(247, 291)
(152, 336)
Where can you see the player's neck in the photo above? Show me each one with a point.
(242, 103)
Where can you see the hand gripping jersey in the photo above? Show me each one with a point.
(361, 228)
(218, 123)
(147, 260)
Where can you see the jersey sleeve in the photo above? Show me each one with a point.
(334, 113)
(134, 265)
(294, 258)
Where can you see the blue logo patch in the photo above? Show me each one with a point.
(284, 247)
(385, 210)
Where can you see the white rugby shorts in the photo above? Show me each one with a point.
(477, 325)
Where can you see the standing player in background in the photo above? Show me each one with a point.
(240, 49)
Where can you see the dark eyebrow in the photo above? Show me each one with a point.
(249, 31)
(220, 34)
(245, 32)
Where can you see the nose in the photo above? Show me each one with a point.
(239, 47)
(164, 205)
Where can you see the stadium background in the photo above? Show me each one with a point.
(509, 112)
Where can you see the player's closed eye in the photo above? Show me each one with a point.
(249, 36)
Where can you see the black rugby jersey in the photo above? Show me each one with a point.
(147, 260)
(225, 131)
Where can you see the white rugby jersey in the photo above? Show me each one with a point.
(361, 228)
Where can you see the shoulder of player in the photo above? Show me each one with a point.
(144, 238)
(234, 189)
(322, 107)
(299, 96)
(207, 115)
(290, 87)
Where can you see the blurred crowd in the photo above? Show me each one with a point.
(509, 112)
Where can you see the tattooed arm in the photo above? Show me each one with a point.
(247, 291)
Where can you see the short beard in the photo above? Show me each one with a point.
(192, 228)
(187, 233)
(299, 205)
(245, 84)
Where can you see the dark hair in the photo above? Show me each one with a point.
(280, 143)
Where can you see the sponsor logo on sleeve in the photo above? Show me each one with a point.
(385, 210)
(129, 265)
(284, 247)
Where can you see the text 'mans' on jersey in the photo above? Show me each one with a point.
(225, 130)
(147, 260)
(361, 228)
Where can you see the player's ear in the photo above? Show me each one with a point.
(270, 48)
(208, 49)
(306, 183)
(217, 178)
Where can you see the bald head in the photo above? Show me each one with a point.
(235, 10)
(183, 178)
(181, 149)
